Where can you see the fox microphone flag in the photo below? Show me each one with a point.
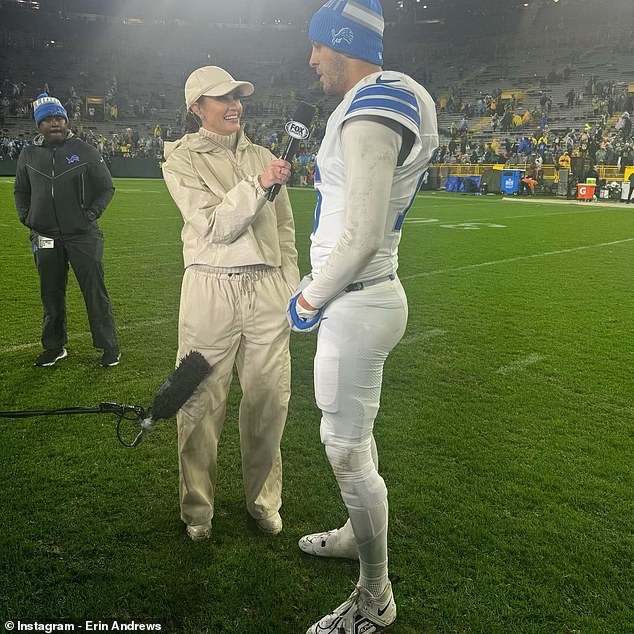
(298, 129)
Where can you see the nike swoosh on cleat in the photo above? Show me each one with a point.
(382, 612)
(380, 80)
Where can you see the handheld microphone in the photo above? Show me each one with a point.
(298, 129)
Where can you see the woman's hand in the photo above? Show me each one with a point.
(277, 172)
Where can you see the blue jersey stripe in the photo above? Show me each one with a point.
(383, 90)
(401, 217)
(386, 104)
(319, 200)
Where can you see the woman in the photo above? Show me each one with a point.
(240, 270)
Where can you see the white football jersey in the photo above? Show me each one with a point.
(390, 95)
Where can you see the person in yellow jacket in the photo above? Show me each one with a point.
(240, 271)
(564, 161)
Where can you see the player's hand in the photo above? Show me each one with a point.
(302, 319)
(277, 172)
(301, 316)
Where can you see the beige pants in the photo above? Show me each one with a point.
(239, 319)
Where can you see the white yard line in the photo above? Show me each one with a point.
(85, 334)
(519, 258)
(424, 336)
(520, 364)
(119, 190)
(431, 221)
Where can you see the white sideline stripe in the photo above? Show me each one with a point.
(153, 218)
(576, 203)
(517, 259)
(424, 336)
(520, 364)
(118, 190)
(150, 246)
(117, 255)
(427, 220)
(84, 334)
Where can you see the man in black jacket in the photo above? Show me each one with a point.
(62, 186)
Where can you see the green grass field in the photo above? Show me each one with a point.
(505, 437)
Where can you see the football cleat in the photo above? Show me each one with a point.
(329, 544)
(360, 614)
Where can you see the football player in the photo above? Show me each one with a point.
(370, 165)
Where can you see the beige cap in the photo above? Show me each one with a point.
(213, 81)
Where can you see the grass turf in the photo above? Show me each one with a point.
(505, 437)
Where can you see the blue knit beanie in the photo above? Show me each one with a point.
(45, 106)
(352, 27)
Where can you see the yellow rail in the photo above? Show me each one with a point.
(609, 172)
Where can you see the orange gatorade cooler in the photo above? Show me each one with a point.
(585, 191)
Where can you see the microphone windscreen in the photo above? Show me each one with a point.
(180, 386)
(304, 113)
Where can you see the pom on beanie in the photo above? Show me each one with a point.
(45, 106)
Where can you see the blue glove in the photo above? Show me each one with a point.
(301, 324)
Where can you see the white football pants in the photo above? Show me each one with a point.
(357, 332)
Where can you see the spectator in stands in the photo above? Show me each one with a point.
(627, 125)
(65, 230)
(627, 157)
(564, 161)
(241, 268)
(600, 155)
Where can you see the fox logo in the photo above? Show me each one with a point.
(72, 159)
(343, 35)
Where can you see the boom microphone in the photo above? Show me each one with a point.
(176, 391)
(192, 370)
(298, 129)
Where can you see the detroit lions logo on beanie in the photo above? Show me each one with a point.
(45, 106)
(352, 27)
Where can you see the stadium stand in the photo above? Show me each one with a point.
(499, 99)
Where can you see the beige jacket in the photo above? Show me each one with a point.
(227, 224)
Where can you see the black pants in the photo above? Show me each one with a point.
(84, 252)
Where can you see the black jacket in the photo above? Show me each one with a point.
(61, 188)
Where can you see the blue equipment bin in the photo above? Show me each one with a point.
(510, 181)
